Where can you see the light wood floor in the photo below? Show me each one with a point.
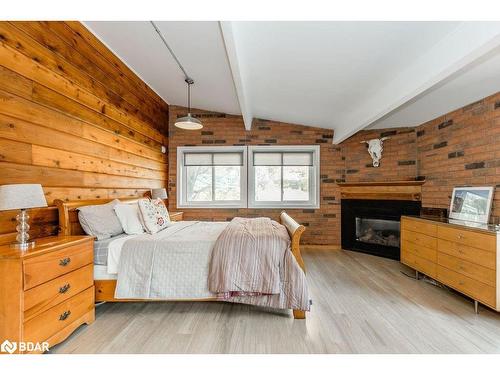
(362, 304)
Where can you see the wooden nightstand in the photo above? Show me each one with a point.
(176, 216)
(48, 291)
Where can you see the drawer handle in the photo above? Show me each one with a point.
(460, 236)
(65, 315)
(64, 262)
(64, 288)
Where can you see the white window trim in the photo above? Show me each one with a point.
(182, 187)
(314, 178)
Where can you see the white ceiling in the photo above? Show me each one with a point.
(198, 46)
(344, 76)
(480, 79)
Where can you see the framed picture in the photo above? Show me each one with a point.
(471, 203)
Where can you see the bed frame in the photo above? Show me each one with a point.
(105, 289)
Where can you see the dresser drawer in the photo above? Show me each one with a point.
(420, 264)
(46, 267)
(418, 226)
(421, 251)
(45, 325)
(471, 254)
(419, 239)
(473, 288)
(51, 293)
(464, 267)
(465, 237)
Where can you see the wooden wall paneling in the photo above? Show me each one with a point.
(75, 120)
(15, 152)
(50, 157)
(15, 83)
(18, 40)
(94, 42)
(15, 106)
(50, 98)
(22, 42)
(47, 176)
(16, 129)
(33, 70)
(122, 86)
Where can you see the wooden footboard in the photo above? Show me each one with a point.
(105, 289)
(295, 231)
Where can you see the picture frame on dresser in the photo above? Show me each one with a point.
(471, 203)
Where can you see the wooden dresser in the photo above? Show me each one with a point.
(462, 257)
(46, 292)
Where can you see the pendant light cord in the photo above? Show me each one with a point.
(173, 54)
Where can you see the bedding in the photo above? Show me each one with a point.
(128, 215)
(101, 248)
(245, 261)
(252, 263)
(100, 220)
(171, 264)
(154, 215)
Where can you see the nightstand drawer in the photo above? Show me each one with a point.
(45, 325)
(176, 216)
(46, 267)
(51, 293)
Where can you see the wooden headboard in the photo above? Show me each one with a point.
(68, 215)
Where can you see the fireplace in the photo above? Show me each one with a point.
(371, 215)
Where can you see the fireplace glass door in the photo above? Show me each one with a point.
(377, 231)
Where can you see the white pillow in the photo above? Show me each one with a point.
(154, 215)
(128, 214)
(100, 220)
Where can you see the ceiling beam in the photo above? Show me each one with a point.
(235, 66)
(462, 47)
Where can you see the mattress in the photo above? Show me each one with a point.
(101, 273)
(101, 249)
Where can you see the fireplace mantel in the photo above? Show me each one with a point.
(382, 190)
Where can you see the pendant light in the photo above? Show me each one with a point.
(188, 122)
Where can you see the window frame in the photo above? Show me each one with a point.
(182, 177)
(314, 177)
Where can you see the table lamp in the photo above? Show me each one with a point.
(21, 197)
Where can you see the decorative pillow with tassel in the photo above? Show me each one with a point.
(154, 215)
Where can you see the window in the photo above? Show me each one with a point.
(283, 176)
(278, 177)
(211, 177)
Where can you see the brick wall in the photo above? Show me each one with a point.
(459, 148)
(226, 130)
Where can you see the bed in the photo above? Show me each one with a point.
(187, 278)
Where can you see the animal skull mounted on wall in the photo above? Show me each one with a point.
(375, 148)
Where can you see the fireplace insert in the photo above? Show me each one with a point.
(372, 226)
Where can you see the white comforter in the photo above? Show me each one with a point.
(185, 253)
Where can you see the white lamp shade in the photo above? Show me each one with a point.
(159, 193)
(20, 196)
(188, 123)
